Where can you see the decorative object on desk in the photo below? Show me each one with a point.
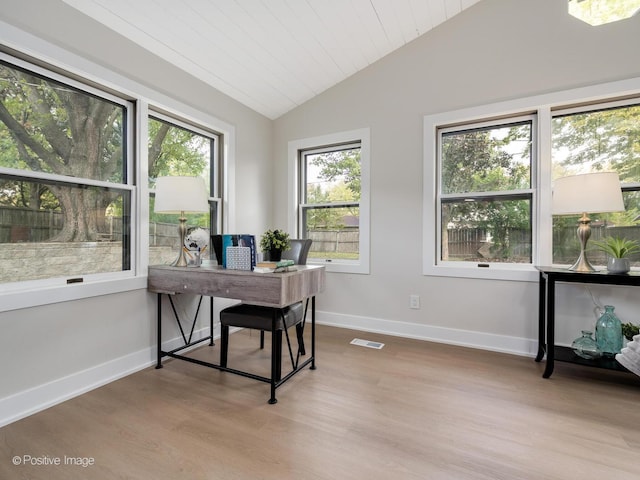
(609, 333)
(629, 356)
(274, 242)
(275, 267)
(618, 249)
(586, 347)
(195, 243)
(180, 195)
(238, 251)
(629, 330)
(590, 192)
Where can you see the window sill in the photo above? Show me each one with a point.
(336, 266)
(516, 273)
(27, 296)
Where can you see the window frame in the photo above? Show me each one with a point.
(56, 63)
(215, 173)
(128, 184)
(517, 194)
(544, 107)
(295, 149)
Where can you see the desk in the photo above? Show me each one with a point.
(546, 314)
(268, 289)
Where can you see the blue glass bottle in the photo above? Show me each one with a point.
(609, 333)
(586, 347)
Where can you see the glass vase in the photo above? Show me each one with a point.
(586, 346)
(609, 333)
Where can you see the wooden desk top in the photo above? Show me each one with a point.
(269, 289)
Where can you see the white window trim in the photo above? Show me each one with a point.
(295, 146)
(43, 292)
(542, 105)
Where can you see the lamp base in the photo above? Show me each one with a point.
(181, 261)
(582, 265)
(584, 232)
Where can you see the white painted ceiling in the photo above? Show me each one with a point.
(271, 55)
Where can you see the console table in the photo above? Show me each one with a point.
(549, 276)
(267, 289)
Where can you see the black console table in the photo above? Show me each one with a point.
(549, 276)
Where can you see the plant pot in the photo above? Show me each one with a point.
(618, 265)
(275, 255)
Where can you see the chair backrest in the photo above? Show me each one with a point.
(298, 251)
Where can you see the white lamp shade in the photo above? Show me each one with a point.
(181, 194)
(587, 193)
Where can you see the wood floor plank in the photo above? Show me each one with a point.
(413, 410)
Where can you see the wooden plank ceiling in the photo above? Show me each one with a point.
(271, 55)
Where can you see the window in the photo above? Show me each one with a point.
(485, 195)
(332, 199)
(177, 148)
(74, 217)
(66, 203)
(489, 170)
(605, 137)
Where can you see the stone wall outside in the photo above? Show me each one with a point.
(34, 261)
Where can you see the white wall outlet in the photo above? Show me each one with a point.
(414, 301)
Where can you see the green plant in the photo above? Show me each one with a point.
(617, 247)
(629, 330)
(274, 240)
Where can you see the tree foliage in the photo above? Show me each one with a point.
(50, 127)
(340, 182)
(482, 161)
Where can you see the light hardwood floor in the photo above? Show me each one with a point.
(413, 410)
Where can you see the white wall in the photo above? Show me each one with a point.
(494, 51)
(51, 352)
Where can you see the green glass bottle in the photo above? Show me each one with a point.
(586, 347)
(609, 333)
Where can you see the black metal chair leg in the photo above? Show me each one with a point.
(224, 344)
(261, 339)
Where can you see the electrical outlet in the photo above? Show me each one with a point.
(414, 301)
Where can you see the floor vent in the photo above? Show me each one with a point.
(367, 343)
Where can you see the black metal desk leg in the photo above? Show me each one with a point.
(159, 333)
(313, 333)
(211, 342)
(542, 312)
(551, 307)
(274, 360)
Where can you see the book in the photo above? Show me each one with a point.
(274, 267)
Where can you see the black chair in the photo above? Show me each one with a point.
(265, 319)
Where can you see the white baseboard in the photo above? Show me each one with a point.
(451, 336)
(36, 399)
(39, 398)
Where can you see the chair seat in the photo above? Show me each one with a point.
(260, 318)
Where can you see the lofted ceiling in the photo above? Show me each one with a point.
(271, 55)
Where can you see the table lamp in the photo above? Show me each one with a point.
(590, 192)
(180, 195)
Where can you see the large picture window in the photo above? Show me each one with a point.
(485, 195)
(489, 173)
(586, 140)
(332, 192)
(177, 148)
(65, 192)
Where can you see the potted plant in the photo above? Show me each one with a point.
(275, 242)
(629, 330)
(618, 249)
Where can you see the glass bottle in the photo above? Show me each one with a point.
(586, 347)
(609, 333)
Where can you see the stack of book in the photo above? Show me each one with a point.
(274, 267)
